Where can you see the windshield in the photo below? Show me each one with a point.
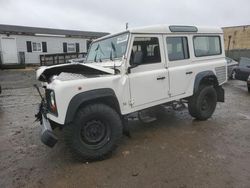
(108, 49)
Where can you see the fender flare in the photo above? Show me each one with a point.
(80, 98)
(209, 74)
(200, 76)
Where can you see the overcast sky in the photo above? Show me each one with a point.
(111, 15)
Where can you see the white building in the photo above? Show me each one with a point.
(21, 45)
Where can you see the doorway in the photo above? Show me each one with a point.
(9, 50)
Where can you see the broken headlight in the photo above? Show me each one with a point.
(51, 101)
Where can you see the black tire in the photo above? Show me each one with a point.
(94, 133)
(248, 88)
(203, 103)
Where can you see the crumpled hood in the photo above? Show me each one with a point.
(45, 73)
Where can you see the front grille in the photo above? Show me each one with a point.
(221, 74)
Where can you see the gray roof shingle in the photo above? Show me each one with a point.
(14, 29)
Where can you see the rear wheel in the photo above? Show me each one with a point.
(248, 88)
(202, 104)
(95, 132)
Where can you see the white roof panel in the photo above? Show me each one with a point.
(165, 29)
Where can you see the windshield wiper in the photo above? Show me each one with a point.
(113, 47)
(111, 52)
(98, 48)
(111, 55)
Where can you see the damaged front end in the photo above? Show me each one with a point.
(44, 74)
(50, 77)
(47, 135)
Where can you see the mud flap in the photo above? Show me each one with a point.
(220, 94)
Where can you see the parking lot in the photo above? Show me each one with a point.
(175, 152)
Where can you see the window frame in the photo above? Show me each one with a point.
(71, 51)
(188, 50)
(146, 36)
(41, 47)
(218, 36)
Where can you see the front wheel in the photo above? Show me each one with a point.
(248, 88)
(95, 132)
(202, 104)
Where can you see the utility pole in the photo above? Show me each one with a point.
(127, 26)
(228, 46)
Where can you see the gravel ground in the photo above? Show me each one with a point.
(175, 152)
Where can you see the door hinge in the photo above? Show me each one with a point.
(131, 102)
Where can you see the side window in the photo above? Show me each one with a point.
(206, 45)
(149, 47)
(177, 48)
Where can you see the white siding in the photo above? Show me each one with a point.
(54, 45)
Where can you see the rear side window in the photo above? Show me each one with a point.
(206, 45)
(177, 48)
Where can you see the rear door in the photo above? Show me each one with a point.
(149, 82)
(179, 66)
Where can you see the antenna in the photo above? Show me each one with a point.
(127, 26)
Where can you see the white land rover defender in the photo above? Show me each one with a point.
(133, 71)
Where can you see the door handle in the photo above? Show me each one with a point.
(189, 72)
(161, 78)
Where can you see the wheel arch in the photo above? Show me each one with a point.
(209, 78)
(206, 77)
(104, 95)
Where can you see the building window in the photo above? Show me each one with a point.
(71, 47)
(177, 48)
(36, 47)
(207, 45)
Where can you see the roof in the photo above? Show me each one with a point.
(229, 27)
(24, 30)
(167, 29)
(164, 29)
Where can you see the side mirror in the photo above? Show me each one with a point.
(138, 58)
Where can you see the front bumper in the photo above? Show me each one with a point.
(47, 135)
